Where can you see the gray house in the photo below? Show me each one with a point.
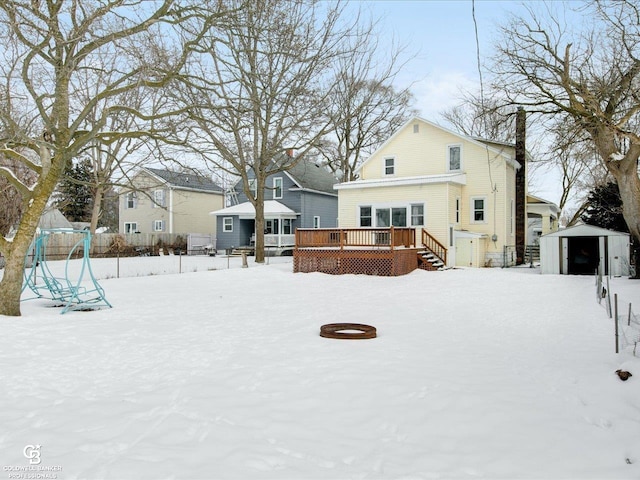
(302, 197)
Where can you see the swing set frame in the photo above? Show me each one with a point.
(78, 294)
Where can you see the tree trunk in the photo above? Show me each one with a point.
(629, 186)
(259, 223)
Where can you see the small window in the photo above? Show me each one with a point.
(416, 128)
(457, 209)
(365, 216)
(130, 227)
(277, 187)
(158, 198)
(130, 200)
(227, 224)
(253, 187)
(478, 214)
(455, 157)
(389, 166)
(417, 215)
(316, 222)
(158, 225)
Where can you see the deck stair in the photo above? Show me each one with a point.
(427, 260)
(434, 255)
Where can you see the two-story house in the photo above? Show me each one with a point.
(162, 201)
(300, 197)
(460, 189)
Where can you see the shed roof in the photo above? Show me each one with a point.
(585, 230)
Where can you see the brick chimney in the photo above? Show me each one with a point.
(521, 184)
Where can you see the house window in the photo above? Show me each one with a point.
(130, 200)
(385, 217)
(416, 128)
(277, 187)
(478, 207)
(316, 222)
(455, 157)
(253, 187)
(457, 209)
(286, 226)
(130, 227)
(227, 224)
(158, 225)
(389, 166)
(417, 214)
(158, 198)
(365, 216)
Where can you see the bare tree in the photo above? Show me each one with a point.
(480, 117)
(365, 106)
(260, 89)
(49, 45)
(592, 78)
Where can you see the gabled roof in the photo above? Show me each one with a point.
(309, 176)
(188, 181)
(585, 230)
(272, 209)
(484, 143)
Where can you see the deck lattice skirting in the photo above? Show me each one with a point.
(383, 252)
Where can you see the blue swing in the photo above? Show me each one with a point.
(73, 295)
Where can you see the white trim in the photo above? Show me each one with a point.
(456, 178)
(158, 223)
(224, 224)
(131, 230)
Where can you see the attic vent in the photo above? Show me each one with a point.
(416, 128)
(186, 179)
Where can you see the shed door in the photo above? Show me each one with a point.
(583, 255)
(464, 252)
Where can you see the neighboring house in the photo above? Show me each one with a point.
(301, 197)
(542, 218)
(162, 201)
(54, 219)
(461, 190)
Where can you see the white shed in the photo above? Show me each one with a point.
(580, 250)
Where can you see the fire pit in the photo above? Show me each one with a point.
(348, 331)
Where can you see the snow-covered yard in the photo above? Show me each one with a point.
(219, 373)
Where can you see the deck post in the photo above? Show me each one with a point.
(341, 238)
(391, 237)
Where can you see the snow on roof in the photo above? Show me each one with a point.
(272, 208)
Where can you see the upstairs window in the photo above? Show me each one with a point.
(389, 166)
(277, 187)
(130, 200)
(455, 157)
(253, 187)
(158, 198)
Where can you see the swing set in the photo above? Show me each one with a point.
(75, 293)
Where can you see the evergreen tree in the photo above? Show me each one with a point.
(605, 208)
(75, 192)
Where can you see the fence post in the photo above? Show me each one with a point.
(608, 298)
(615, 304)
(118, 265)
(180, 262)
(629, 317)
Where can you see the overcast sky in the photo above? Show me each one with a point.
(442, 35)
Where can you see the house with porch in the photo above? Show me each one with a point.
(300, 197)
(466, 195)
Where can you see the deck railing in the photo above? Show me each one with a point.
(355, 237)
